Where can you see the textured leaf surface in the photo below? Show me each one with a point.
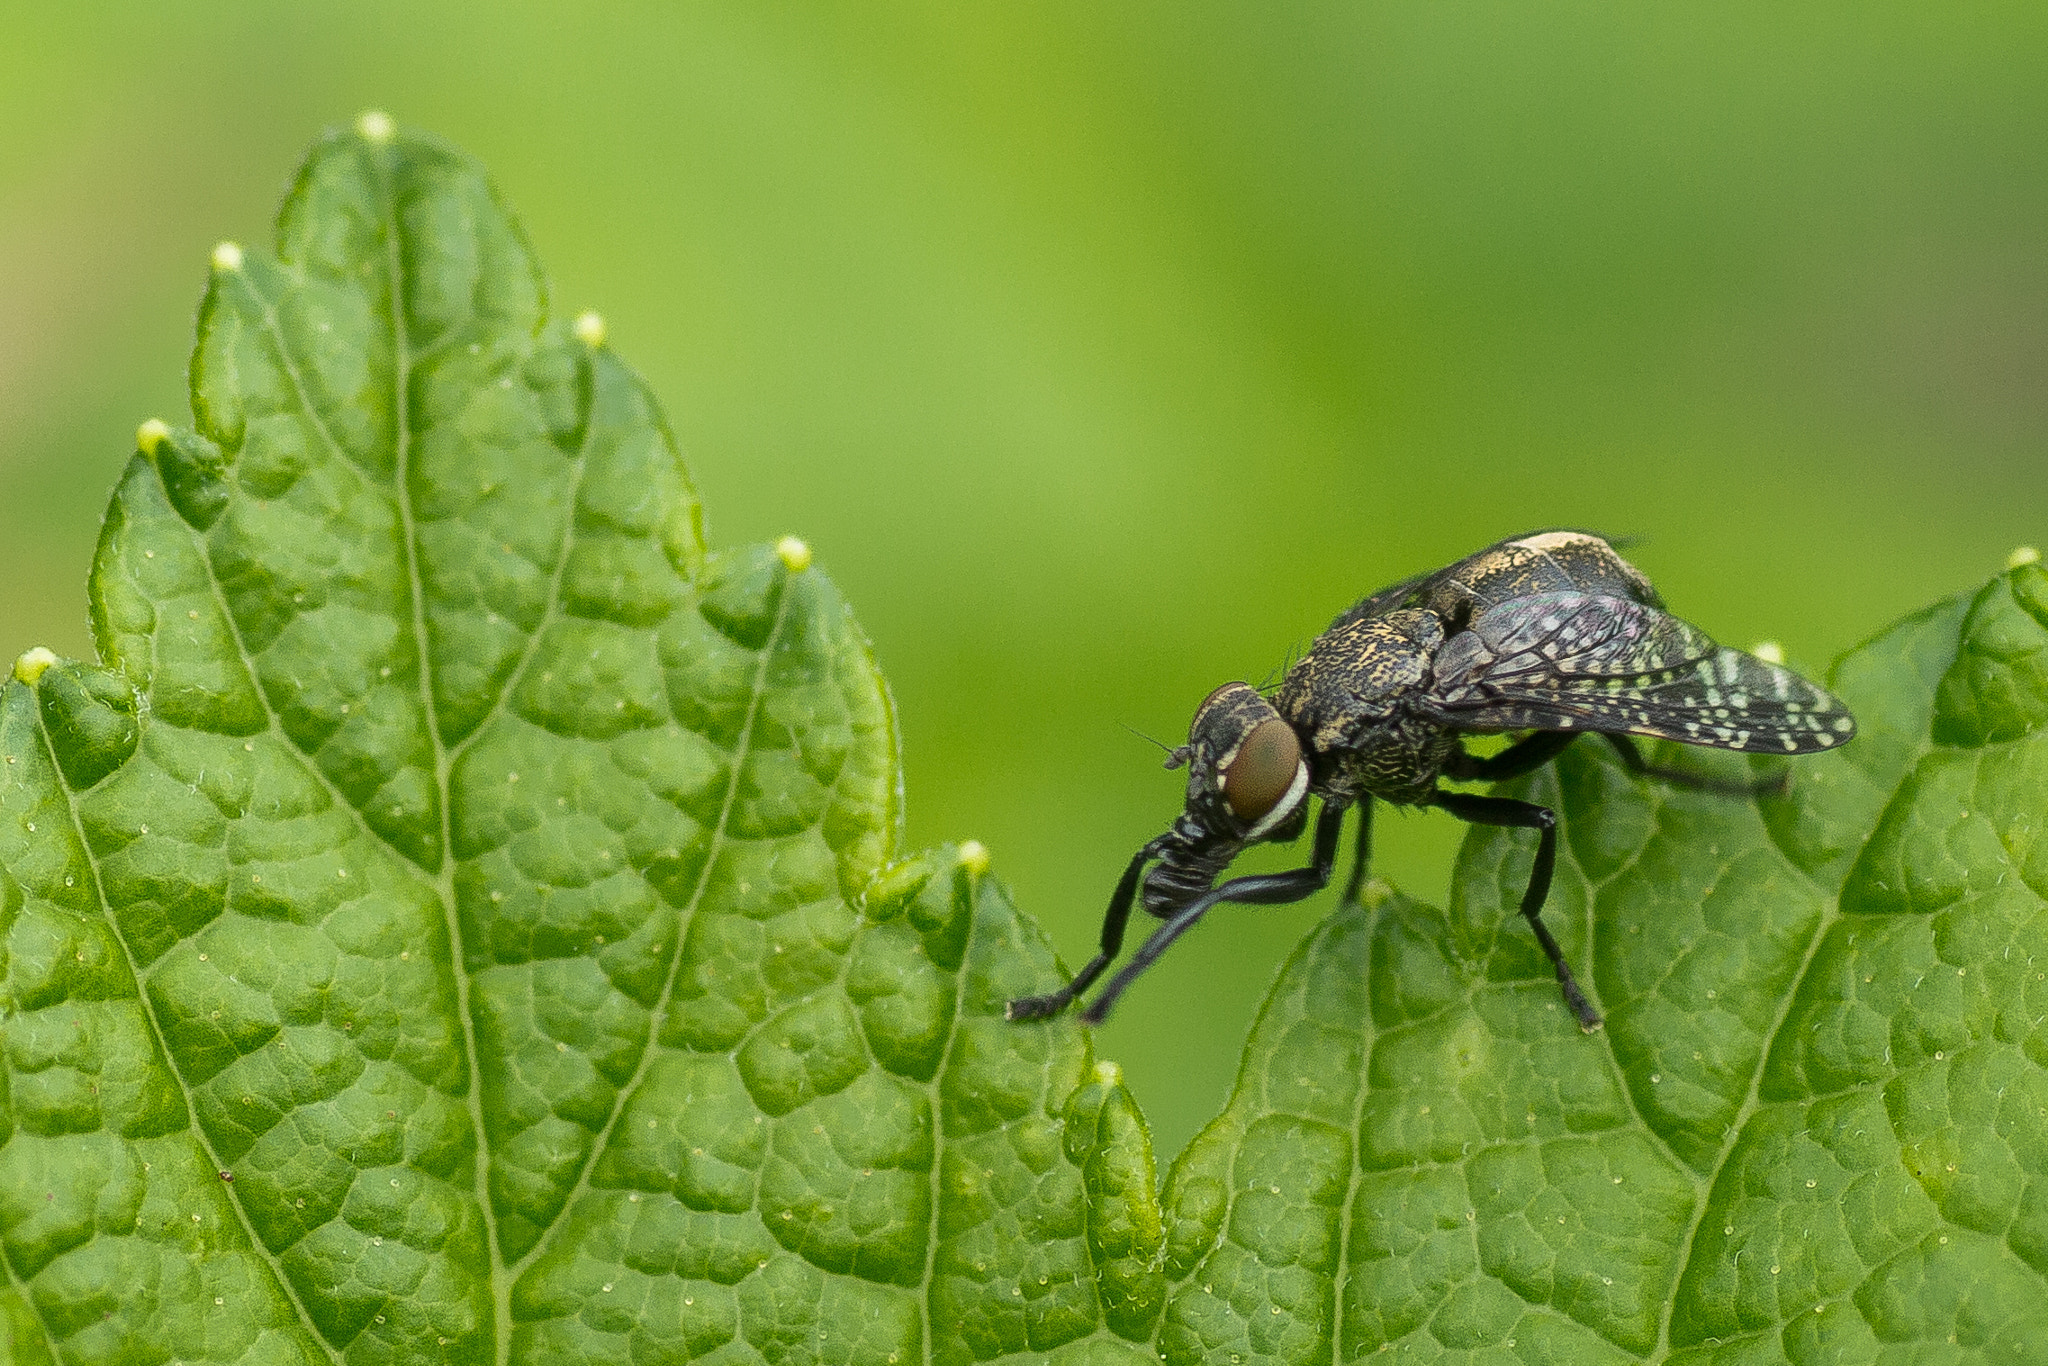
(1814, 1129)
(460, 919)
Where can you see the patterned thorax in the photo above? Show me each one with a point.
(1357, 701)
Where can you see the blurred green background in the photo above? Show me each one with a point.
(1105, 352)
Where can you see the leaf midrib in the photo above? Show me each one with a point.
(1705, 1179)
(501, 1276)
(443, 875)
(441, 878)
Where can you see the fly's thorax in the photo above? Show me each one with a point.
(1360, 677)
(1397, 761)
(1359, 697)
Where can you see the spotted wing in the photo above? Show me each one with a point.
(1590, 661)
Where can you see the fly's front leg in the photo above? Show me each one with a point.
(1267, 889)
(1625, 746)
(1113, 922)
(1506, 811)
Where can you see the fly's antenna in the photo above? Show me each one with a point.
(1164, 748)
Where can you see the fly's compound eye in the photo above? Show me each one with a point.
(1261, 775)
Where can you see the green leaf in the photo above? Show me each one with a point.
(1814, 1128)
(460, 918)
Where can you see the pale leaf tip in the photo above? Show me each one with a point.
(1769, 651)
(30, 666)
(227, 256)
(974, 857)
(1108, 1073)
(151, 434)
(797, 556)
(589, 328)
(375, 126)
(2023, 555)
(1375, 893)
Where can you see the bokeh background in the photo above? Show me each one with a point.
(1105, 351)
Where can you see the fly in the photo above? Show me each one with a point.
(1548, 636)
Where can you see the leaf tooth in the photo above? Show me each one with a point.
(32, 664)
(794, 553)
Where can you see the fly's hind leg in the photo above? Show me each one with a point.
(1506, 811)
(1625, 746)
(1526, 755)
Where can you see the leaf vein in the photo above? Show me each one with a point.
(935, 1089)
(1751, 1103)
(685, 913)
(1357, 1143)
(156, 1030)
(22, 1291)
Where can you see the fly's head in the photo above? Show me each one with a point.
(1247, 783)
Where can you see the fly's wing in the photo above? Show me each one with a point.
(1534, 562)
(1590, 661)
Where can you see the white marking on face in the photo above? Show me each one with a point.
(1296, 790)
